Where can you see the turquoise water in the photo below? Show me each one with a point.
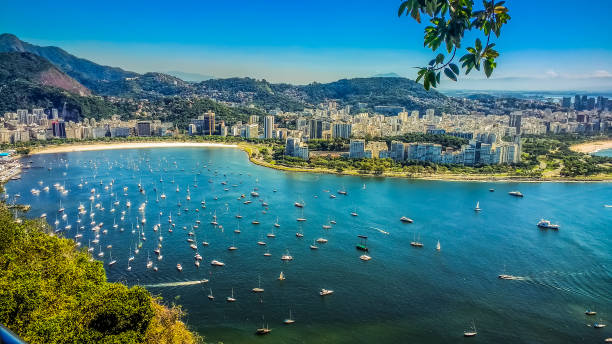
(605, 152)
(404, 294)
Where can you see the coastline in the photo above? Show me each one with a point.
(252, 149)
(479, 178)
(592, 147)
(127, 145)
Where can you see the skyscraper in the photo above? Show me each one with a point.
(341, 130)
(515, 121)
(59, 129)
(268, 127)
(566, 102)
(144, 128)
(577, 105)
(315, 129)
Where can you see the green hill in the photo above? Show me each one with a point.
(53, 292)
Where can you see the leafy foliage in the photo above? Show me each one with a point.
(52, 292)
(450, 20)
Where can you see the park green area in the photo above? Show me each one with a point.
(544, 157)
(52, 291)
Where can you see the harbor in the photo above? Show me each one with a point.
(445, 285)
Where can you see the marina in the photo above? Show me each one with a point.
(429, 294)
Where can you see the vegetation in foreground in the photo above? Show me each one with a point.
(53, 292)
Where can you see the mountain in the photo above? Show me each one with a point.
(86, 72)
(27, 67)
(369, 92)
(192, 77)
(387, 75)
(148, 85)
(360, 93)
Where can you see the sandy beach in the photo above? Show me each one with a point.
(592, 147)
(128, 145)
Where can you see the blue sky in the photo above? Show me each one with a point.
(548, 44)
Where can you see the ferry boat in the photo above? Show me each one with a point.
(515, 193)
(545, 224)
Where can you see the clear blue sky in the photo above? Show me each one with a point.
(316, 40)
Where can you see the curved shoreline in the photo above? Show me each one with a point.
(592, 147)
(477, 178)
(128, 145)
(248, 149)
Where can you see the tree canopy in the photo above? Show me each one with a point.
(450, 20)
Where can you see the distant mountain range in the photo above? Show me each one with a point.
(385, 89)
(191, 77)
(387, 75)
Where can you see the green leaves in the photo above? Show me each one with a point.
(449, 20)
(449, 73)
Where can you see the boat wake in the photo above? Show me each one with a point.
(582, 283)
(174, 284)
(380, 230)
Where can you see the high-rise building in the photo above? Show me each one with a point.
(251, 131)
(397, 151)
(566, 102)
(315, 129)
(341, 130)
(515, 121)
(143, 128)
(253, 119)
(577, 105)
(357, 149)
(268, 127)
(204, 124)
(59, 129)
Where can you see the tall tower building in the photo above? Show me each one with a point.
(268, 127)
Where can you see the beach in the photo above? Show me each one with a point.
(592, 147)
(129, 145)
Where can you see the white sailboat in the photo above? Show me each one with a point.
(477, 206)
(259, 289)
(438, 247)
(289, 320)
(231, 298)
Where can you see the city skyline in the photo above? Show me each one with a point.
(299, 44)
